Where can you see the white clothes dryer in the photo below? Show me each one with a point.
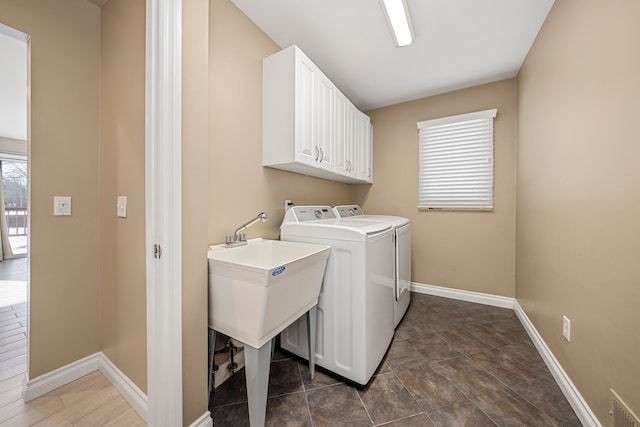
(402, 254)
(355, 308)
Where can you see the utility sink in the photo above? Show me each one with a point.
(257, 290)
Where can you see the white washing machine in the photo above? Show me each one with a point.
(402, 254)
(355, 309)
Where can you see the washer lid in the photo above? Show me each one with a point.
(395, 221)
(303, 221)
(354, 211)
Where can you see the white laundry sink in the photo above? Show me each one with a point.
(257, 290)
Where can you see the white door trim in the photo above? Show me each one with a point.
(163, 206)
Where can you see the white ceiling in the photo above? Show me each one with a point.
(459, 43)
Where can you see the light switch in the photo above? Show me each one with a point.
(122, 206)
(61, 205)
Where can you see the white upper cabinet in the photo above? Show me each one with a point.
(364, 146)
(352, 140)
(340, 133)
(308, 125)
(325, 108)
(305, 113)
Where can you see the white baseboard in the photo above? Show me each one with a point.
(96, 362)
(577, 402)
(57, 378)
(470, 296)
(131, 393)
(205, 420)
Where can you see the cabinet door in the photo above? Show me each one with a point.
(305, 121)
(352, 135)
(325, 120)
(364, 148)
(340, 133)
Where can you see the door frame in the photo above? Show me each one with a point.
(163, 211)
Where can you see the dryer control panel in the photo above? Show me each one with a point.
(346, 211)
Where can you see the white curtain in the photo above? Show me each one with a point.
(5, 247)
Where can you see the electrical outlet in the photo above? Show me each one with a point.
(62, 205)
(566, 328)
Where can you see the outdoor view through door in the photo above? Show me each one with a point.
(13, 199)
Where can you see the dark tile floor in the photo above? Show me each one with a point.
(451, 363)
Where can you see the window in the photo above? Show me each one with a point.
(456, 162)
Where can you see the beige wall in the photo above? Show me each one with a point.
(122, 159)
(578, 199)
(195, 205)
(240, 187)
(473, 251)
(63, 160)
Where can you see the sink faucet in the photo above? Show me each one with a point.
(239, 238)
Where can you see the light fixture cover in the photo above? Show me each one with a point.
(397, 15)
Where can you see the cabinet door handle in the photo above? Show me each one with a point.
(317, 150)
(321, 155)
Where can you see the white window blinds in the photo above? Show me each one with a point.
(456, 162)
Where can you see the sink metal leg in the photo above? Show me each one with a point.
(312, 317)
(273, 347)
(257, 364)
(212, 347)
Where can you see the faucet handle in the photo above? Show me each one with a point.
(243, 237)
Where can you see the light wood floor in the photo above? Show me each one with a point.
(89, 401)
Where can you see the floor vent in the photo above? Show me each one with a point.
(621, 414)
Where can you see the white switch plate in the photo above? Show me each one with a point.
(61, 205)
(122, 206)
(566, 328)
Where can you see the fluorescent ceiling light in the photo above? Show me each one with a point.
(397, 16)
